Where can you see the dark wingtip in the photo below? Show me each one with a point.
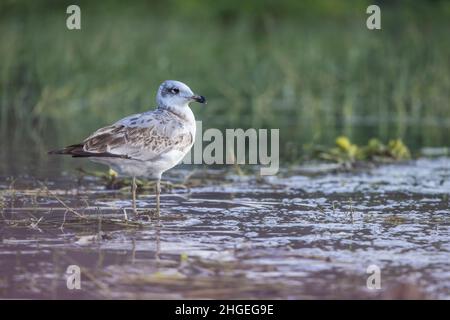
(66, 150)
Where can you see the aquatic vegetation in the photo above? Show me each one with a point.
(375, 151)
(64, 216)
(394, 219)
(111, 180)
(397, 150)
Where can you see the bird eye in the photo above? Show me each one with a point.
(175, 90)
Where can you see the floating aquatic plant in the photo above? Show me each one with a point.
(375, 151)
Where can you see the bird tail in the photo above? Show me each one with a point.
(70, 150)
(77, 151)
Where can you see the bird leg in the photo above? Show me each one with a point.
(133, 191)
(158, 192)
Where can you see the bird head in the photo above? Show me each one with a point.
(174, 94)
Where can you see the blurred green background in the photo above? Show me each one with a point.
(310, 68)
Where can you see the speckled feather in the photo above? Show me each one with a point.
(142, 136)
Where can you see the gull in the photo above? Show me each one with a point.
(145, 144)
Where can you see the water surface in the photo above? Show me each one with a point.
(310, 232)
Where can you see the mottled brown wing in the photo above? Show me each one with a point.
(143, 136)
(140, 143)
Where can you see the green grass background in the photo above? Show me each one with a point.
(310, 68)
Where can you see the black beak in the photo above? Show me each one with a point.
(200, 99)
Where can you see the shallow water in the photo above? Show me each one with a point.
(307, 233)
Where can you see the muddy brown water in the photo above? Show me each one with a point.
(306, 233)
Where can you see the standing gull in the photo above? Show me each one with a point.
(145, 144)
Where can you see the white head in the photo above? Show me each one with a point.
(175, 94)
